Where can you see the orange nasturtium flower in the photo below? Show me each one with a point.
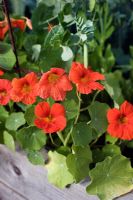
(15, 23)
(55, 84)
(85, 79)
(5, 89)
(24, 89)
(121, 121)
(50, 119)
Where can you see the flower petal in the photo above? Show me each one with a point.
(113, 115)
(42, 110)
(126, 108)
(57, 110)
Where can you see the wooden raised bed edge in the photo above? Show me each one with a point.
(20, 180)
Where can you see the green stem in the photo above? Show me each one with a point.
(52, 141)
(85, 55)
(61, 137)
(68, 137)
(76, 120)
(96, 94)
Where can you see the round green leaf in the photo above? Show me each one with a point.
(98, 112)
(14, 121)
(71, 108)
(58, 173)
(3, 113)
(7, 57)
(9, 141)
(31, 138)
(29, 115)
(111, 178)
(78, 162)
(35, 157)
(82, 134)
(111, 150)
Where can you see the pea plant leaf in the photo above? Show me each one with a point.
(92, 4)
(78, 162)
(98, 112)
(14, 121)
(54, 37)
(7, 57)
(109, 180)
(31, 138)
(58, 173)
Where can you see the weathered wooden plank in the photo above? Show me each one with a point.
(20, 180)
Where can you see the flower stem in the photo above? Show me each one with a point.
(96, 94)
(85, 55)
(50, 136)
(61, 137)
(68, 137)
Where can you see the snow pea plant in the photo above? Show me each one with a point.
(59, 95)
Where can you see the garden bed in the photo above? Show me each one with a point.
(20, 180)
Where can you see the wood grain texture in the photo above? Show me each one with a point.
(20, 180)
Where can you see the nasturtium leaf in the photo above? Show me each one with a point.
(58, 173)
(14, 121)
(98, 112)
(82, 134)
(3, 113)
(112, 86)
(7, 57)
(64, 150)
(31, 138)
(35, 157)
(111, 178)
(54, 37)
(111, 150)
(78, 162)
(8, 140)
(97, 155)
(29, 115)
(71, 108)
(67, 53)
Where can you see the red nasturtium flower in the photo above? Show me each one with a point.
(1, 73)
(121, 121)
(54, 83)
(49, 119)
(15, 23)
(85, 79)
(25, 89)
(5, 88)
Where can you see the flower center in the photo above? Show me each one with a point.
(3, 93)
(122, 119)
(84, 79)
(53, 78)
(48, 119)
(26, 88)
